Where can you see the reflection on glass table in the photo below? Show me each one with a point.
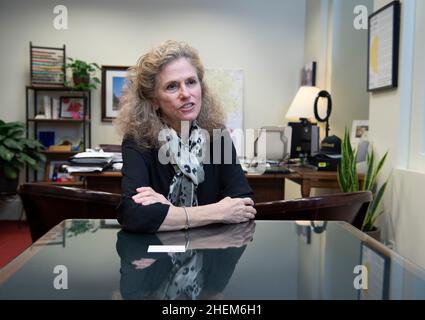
(201, 272)
(258, 260)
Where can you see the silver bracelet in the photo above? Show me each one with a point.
(187, 226)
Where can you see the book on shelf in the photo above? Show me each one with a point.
(60, 148)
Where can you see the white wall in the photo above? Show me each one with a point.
(265, 39)
(349, 65)
(341, 54)
(316, 43)
(403, 220)
(404, 202)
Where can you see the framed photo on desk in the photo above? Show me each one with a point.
(359, 131)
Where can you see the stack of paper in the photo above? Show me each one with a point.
(93, 161)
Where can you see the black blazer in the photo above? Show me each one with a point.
(141, 168)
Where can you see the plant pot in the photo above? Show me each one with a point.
(79, 79)
(375, 233)
(8, 186)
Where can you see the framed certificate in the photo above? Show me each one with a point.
(383, 47)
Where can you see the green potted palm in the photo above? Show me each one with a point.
(16, 151)
(348, 181)
(83, 74)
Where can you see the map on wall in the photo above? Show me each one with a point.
(226, 85)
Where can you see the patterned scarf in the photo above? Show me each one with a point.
(185, 279)
(187, 163)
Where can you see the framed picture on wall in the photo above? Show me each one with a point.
(383, 47)
(308, 74)
(113, 80)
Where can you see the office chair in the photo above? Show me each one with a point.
(47, 205)
(350, 207)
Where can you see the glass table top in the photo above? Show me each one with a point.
(95, 259)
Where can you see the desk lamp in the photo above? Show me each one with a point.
(302, 107)
(305, 105)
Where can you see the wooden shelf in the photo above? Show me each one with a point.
(55, 153)
(81, 128)
(54, 88)
(58, 120)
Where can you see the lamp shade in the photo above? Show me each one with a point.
(303, 104)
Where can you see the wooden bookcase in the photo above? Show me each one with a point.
(61, 114)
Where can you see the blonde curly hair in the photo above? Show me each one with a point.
(138, 118)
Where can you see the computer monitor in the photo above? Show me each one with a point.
(273, 144)
(305, 139)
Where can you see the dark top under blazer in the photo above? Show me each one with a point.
(142, 168)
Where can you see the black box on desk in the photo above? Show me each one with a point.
(329, 157)
(304, 139)
(324, 162)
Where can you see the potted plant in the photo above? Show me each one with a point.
(16, 151)
(83, 74)
(81, 226)
(349, 182)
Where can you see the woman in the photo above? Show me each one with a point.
(169, 179)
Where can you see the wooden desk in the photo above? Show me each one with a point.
(108, 181)
(308, 178)
(267, 187)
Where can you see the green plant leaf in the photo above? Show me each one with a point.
(6, 154)
(348, 181)
(39, 157)
(33, 144)
(13, 144)
(10, 172)
(19, 163)
(371, 214)
(16, 151)
(30, 161)
(15, 132)
(379, 167)
(347, 170)
(369, 172)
